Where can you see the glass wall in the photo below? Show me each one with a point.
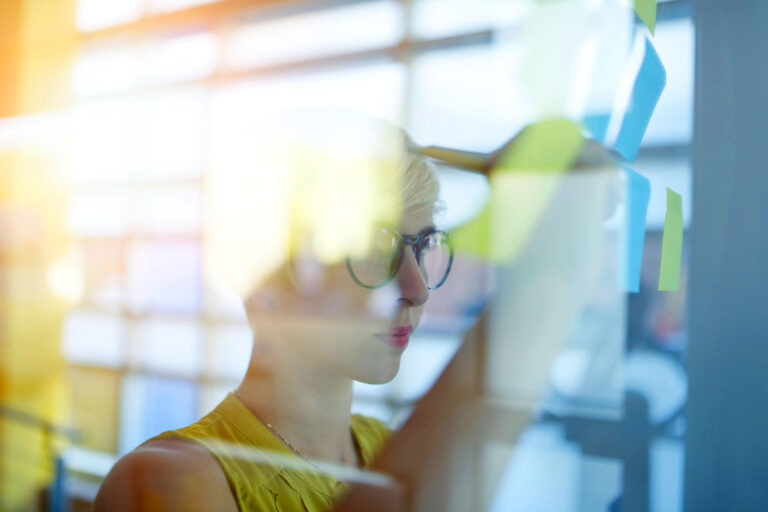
(159, 87)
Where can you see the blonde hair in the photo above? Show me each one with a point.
(308, 181)
(420, 186)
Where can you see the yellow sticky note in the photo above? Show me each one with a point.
(522, 184)
(646, 10)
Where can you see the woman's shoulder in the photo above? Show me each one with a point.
(166, 474)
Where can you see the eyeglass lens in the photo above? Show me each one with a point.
(380, 262)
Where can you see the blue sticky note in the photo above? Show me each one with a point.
(649, 84)
(632, 238)
(597, 124)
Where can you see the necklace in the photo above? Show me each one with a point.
(276, 433)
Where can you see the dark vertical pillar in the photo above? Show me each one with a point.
(727, 436)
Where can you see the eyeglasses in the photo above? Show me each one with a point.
(432, 249)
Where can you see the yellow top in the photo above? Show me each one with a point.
(263, 474)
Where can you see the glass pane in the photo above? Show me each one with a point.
(230, 351)
(667, 461)
(102, 266)
(442, 18)
(167, 210)
(224, 304)
(101, 142)
(180, 58)
(212, 394)
(94, 399)
(96, 14)
(106, 67)
(373, 89)
(463, 193)
(543, 459)
(672, 121)
(98, 214)
(379, 410)
(169, 346)
(425, 359)
(164, 277)
(674, 173)
(174, 5)
(371, 392)
(151, 405)
(90, 462)
(353, 28)
(94, 338)
(170, 137)
(470, 98)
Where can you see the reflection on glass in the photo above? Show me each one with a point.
(230, 351)
(102, 142)
(471, 98)
(168, 347)
(101, 262)
(441, 18)
(173, 5)
(164, 277)
(376, 90)
(94, 338)
(97, 14)
(98, 214)
(144, 157)
(95, 393)
(169, 135)
(672, 121)
(427, 357)
(150, 405)
(108, 67)
(212, 394)
(180, 58)
(316, 34)
(167, 210)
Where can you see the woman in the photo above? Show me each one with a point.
(319, 323)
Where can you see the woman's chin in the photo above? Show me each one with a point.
(380, 374)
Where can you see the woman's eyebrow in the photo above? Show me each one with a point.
(427, 230)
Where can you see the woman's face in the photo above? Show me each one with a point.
(323, 317)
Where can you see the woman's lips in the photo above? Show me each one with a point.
(397, 336)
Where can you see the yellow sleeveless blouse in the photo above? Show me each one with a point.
(263, 474)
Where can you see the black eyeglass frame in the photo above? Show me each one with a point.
(415, 241)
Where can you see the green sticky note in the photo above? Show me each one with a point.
(550, 145)
(523, 182)
(474, 237)
(646, 10)
(672, 243)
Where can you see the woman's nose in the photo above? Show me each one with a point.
(413, 288)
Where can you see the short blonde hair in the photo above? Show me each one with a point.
(313, 180)
(419, 182)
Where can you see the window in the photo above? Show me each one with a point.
(161, 84)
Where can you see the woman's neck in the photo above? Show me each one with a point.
(305, 404)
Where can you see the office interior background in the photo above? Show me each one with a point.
(117, 106)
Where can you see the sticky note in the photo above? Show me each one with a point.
(649, 84)
(637, 194)
(550, 145)
(597, 124)
(672, 243)
(646, 11)
(522, 184)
